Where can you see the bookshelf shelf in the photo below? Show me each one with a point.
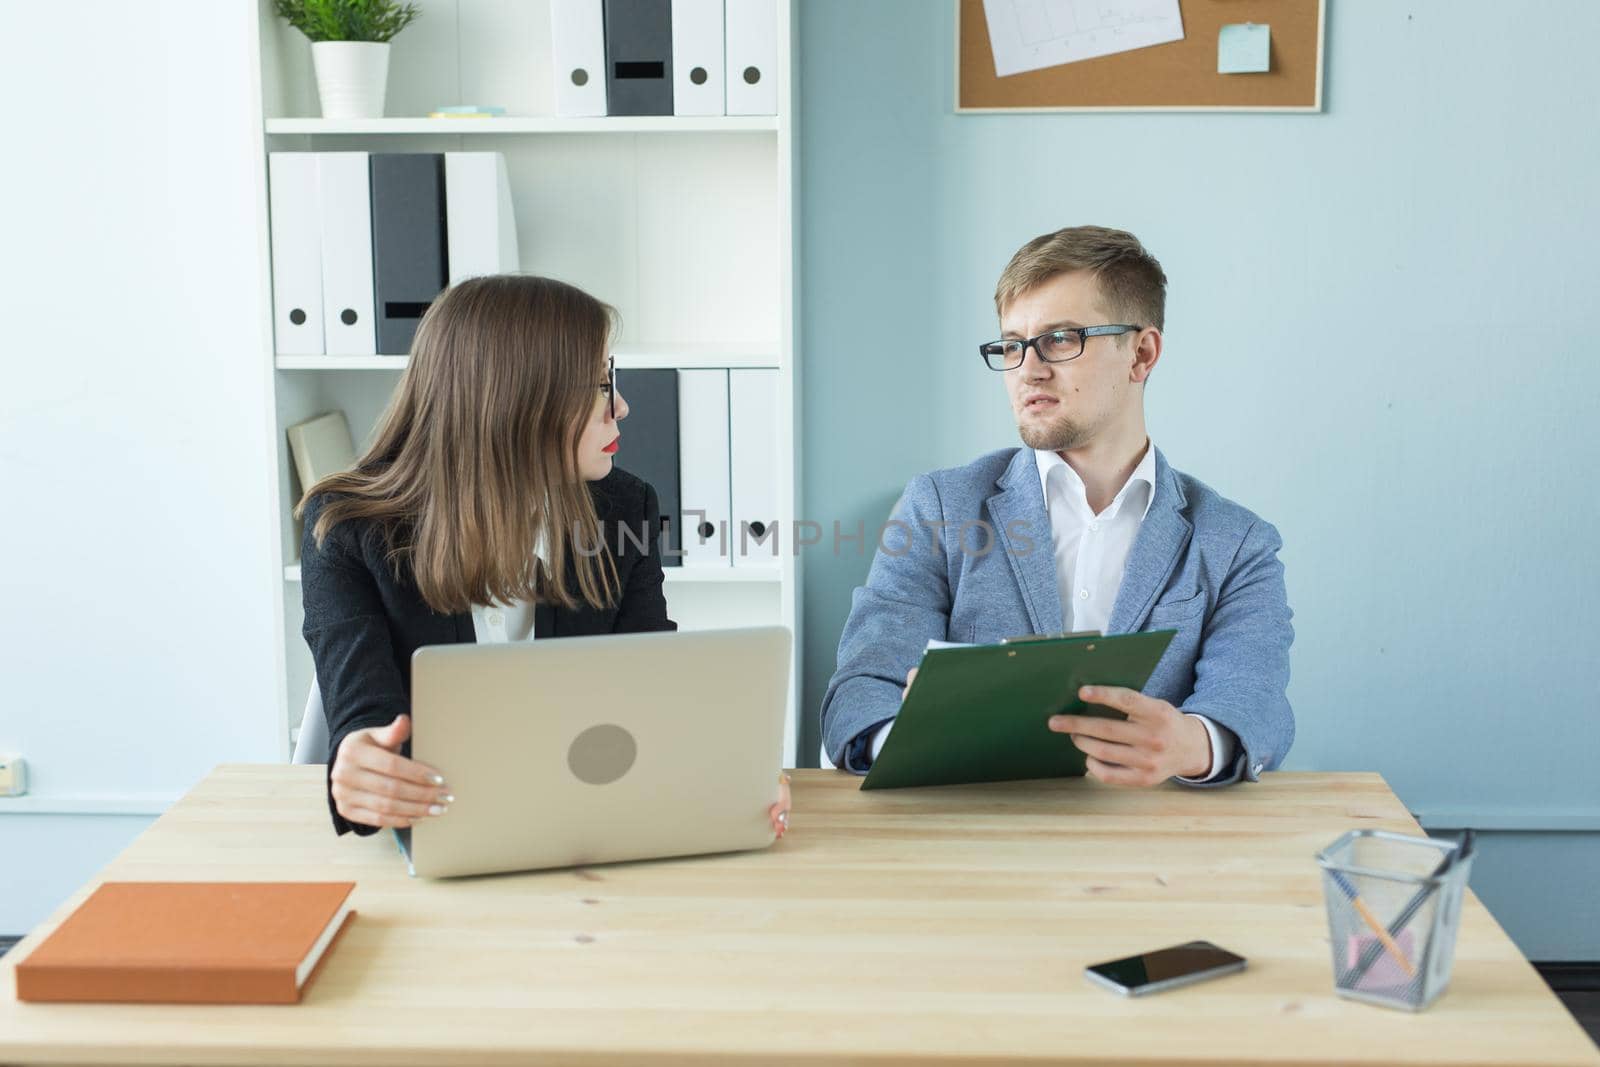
(674, 575)
(684, 356)
(539, 124)
(342, 362)
(629, 357)
(719, 575)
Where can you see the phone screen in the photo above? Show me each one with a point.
(1195, 959)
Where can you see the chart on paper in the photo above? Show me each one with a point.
(1033, 34)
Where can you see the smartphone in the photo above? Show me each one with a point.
(1166, 968)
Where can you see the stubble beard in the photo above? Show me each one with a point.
(1058, 435)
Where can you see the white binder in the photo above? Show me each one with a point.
(480, 228)
(348, 313)
(697, 58)
(578, 57)
(703, 462)
(753, 445)
(752, 42)
(296, 229)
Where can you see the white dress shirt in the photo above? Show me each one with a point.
(1091, 553)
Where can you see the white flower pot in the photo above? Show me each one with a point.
(351, 78)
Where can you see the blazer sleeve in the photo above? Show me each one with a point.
(905, 602)
(1242, 675)
(644, 604)
(348, 632)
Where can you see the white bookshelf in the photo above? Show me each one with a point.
(686, 225)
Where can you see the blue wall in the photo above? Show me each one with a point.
(1381, 336)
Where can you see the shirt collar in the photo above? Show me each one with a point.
(1144, 474)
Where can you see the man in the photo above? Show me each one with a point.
(1087, 528)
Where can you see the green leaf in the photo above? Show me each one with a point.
(347, 20)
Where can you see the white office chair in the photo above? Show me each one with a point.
(312, 744)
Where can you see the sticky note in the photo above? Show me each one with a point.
(1244, 48)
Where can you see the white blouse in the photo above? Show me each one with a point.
(500, 624)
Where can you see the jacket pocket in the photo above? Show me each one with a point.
(1176, 612)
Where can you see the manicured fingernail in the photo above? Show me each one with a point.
(437, 809)
(438, 779)
(1086, 692)
(447, 798)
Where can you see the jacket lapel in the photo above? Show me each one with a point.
(1020, 503)
(1163, 536)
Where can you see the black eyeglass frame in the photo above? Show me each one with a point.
(610, 386)
(1083, 332)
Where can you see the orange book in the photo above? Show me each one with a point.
(189, 943)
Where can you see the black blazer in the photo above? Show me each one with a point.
(363, 621)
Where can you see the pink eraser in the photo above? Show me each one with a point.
(1384, 970)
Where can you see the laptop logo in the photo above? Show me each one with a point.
(602, 754)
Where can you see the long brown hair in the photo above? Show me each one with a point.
(475, 460)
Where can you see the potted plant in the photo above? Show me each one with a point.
(350, 50)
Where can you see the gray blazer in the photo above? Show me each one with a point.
(1201, 565)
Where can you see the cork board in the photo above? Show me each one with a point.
(1180, 76)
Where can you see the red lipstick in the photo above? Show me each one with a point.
(611, 448)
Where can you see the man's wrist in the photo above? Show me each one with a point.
(1198, 754)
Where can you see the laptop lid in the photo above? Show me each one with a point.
(574, 751)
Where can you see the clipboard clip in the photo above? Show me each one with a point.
(1049, 637)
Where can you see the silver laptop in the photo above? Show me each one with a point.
(582, 750)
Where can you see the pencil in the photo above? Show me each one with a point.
(1459, 854)
(1374, 925)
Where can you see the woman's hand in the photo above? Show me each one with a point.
(376, 786)
(779, 812)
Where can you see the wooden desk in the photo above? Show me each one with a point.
(889, 927)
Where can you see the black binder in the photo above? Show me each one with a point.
(649, 446)
(639, 57)
(409, 266)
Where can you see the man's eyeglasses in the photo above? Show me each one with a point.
(1057, 346)
(608, 388)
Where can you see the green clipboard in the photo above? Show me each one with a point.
(979, 714)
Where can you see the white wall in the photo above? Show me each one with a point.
(137, 647)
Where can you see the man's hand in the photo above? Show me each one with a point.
(1156, 742)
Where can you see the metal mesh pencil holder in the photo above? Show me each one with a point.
(1394, 906)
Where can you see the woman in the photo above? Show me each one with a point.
(474, 516)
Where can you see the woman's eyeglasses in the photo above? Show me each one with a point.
(608, 388)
